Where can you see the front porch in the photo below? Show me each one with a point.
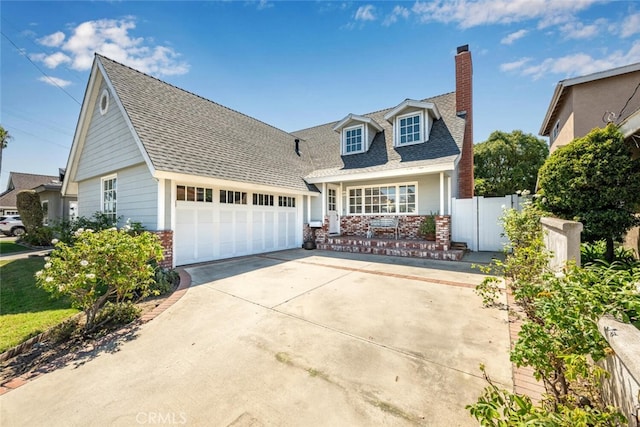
(356, 238)
(389, 246)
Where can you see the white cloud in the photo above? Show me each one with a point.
(577, 30)
(398, 12)
(264, 4)
(52, 40)
(365, 13)
(512, 66)
(630, 26)
(514, 36)
(581, 63)
(54, 81)
(111, 38)
(471, 13)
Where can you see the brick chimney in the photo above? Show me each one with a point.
(464, 108)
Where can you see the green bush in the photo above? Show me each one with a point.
(100, 266)
(427, 227)
(117, 314)
(165, 281)
(30, 210)
(559, 337)
(595, 253)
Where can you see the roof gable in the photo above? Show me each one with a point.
(351, 118)
(411, 104)
(187, 134)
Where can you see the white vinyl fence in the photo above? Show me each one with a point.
(476, 221)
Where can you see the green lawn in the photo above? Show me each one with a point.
(25, 309)
(8, 247)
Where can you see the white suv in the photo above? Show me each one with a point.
(11, 225)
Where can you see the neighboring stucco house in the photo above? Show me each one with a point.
(215, 183)
(582, 103)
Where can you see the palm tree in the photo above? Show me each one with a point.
(4, 141)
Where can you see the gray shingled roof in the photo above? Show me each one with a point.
(23, 181)
(185, 133)
(444, 145)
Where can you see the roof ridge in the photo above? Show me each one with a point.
(194, 94)
(32, 174)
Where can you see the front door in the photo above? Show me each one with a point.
(332, 211)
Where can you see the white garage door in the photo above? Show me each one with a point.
(210, 231)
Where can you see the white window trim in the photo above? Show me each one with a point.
(344, 139)
(102, 180)
(397, 185)
(104, 95)
(396, 129)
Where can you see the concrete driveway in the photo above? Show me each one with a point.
(286, 339)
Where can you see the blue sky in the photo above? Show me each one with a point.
(299, 64)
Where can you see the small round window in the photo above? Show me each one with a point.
(104, 102)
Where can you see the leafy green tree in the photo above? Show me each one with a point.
(4, 141)
(594, 180)
(508, 162)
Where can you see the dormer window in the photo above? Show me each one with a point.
(412, 121)
(410, 128)
(356, 133)
(353, 139)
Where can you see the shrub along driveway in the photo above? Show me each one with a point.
(291, 338)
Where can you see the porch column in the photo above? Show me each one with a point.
(324, 201)
(308, 208)
(441, 193)
(449, 195)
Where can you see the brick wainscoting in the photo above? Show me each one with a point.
(353, 231)
(166, 240)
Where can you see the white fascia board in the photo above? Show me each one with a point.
(441, 167)
(136, 138)
(631, 124)
(342, 123)
(74, 153)
(187, 179)
(411, 103)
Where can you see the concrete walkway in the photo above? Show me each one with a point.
(290, 338)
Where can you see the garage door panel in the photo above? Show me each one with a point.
(207, 232)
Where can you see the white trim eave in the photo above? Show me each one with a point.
(411, 103)
(72, 161)
(631, 124)
(360, 176)
(80, 133)
(184, 178)
(143, 151)
(368, 120)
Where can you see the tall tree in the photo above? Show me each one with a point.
(508, 162)
(4, 141)
(594, 180)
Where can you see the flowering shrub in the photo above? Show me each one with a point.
(99, 266)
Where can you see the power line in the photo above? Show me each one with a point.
(628, 100)
(39, 69)
(73, 73)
